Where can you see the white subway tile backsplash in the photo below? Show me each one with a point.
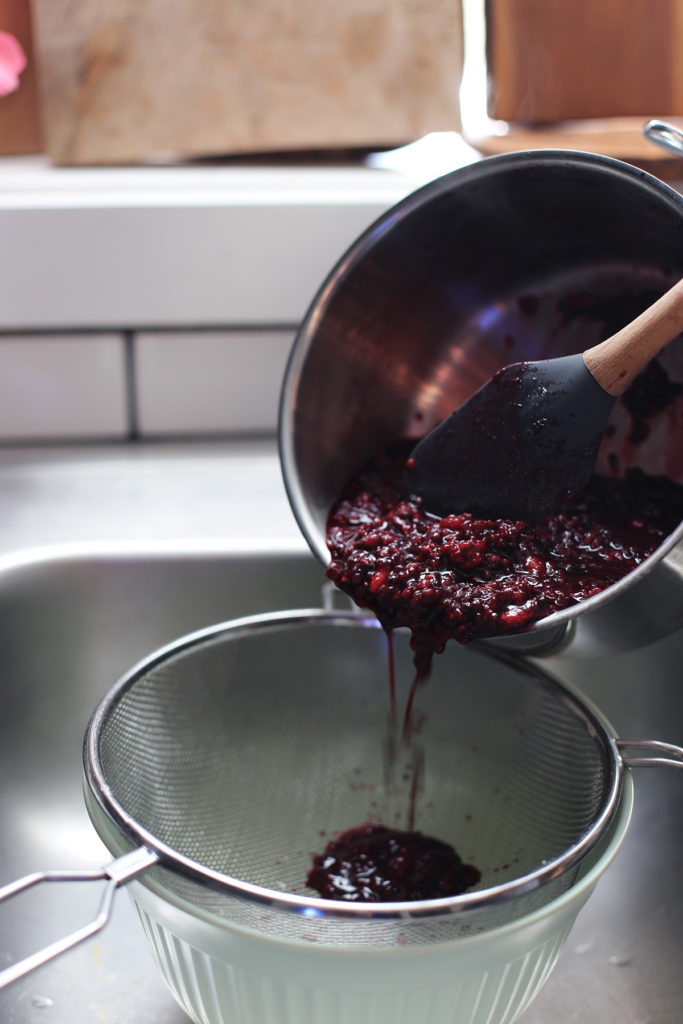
(62, 386)
(225, 381)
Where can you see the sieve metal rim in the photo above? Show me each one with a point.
(169, 858)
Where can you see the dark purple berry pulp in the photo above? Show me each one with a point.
(374, 864)
(463, 578)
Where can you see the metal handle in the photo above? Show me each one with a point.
(122, 870)
(650, 754)
(666, 136)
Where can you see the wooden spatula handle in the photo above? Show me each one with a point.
(615, 362)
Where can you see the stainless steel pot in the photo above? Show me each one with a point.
(522, 256)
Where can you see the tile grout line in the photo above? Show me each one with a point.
(131, 385)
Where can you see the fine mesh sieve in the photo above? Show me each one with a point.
(217, 767)
(236, 753)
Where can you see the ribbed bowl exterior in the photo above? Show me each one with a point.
(222, 973)
(461, 992)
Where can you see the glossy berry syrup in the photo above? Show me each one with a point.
(463, 578)
(375, 864)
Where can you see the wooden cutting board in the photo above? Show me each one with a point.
(583, 74)
(559, 60)
(619, 137)
(132, 80)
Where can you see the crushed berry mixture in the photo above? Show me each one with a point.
(651, 391)
(375, 864)
(465, 578)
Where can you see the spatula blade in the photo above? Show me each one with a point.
(526, 439)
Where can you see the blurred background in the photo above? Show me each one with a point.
(177, 179)
(129, 81)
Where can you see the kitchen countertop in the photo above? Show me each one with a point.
(196, 495)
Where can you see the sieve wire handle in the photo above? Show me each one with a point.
(122, 870)
(650, 753)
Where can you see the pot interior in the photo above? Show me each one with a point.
(521, 257)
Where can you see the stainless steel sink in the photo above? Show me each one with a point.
(70, 624)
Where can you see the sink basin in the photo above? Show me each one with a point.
(72, 621)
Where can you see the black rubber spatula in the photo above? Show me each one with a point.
(531, 434)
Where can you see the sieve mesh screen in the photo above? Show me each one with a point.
(246, 751)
